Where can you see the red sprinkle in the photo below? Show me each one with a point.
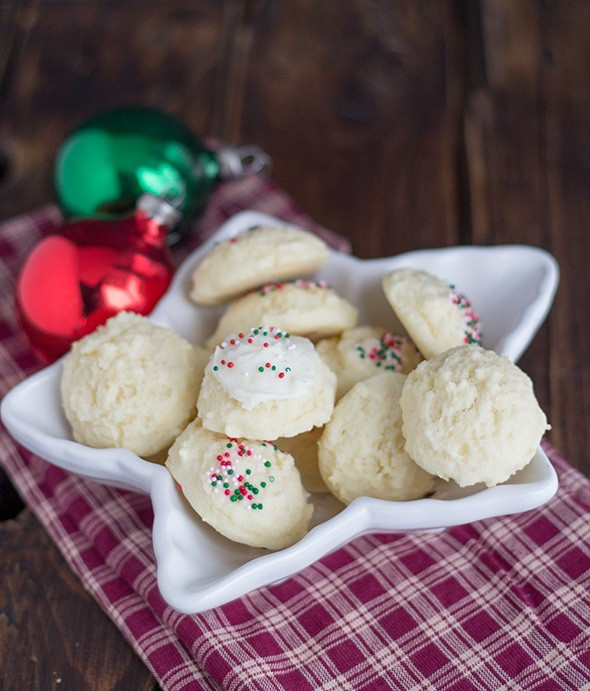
(230, 364)
(281, 375)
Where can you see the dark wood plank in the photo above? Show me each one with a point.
(74, 59)
(566, 61)
(360, 113)
(52, 634)
(529, 172)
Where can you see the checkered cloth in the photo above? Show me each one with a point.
(501, 603)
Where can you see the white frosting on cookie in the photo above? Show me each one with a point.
(263, 364)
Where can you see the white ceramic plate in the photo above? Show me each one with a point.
(511, 287)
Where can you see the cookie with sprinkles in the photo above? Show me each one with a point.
(302, 307)
(253, 258)
(436, 315)
(364, 351)
(249, 491)
(264, 383)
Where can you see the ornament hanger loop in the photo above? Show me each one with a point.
(242, 161)
(161, 210)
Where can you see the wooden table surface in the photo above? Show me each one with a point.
(400, 124)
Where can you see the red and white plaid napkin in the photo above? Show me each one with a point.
(502, 603)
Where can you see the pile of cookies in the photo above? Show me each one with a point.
(290, 395)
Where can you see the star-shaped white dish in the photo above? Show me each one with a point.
(511, 287)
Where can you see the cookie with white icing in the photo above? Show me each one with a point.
(131, 384)
(433, 312)
(264, 384)
(361, 451)
(302, 307)
(471, 416)
(249, 491)
(259, 255)
(364, 351)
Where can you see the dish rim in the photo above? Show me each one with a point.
(124, 469)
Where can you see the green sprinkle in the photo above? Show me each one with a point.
(230, 472)
(261, 369)
(233, 497)
(263, 484)
(215, 368)
(248, 471)
(267, 464)
(229, 445)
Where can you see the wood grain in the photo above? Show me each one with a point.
(52, 634)
(528, 168)
(400, 125)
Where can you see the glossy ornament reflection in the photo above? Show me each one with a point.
(89, 270)
(106, 163)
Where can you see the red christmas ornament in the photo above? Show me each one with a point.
(89, 270)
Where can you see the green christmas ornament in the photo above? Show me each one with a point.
(108, 162)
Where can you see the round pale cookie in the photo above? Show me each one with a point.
(471, 416)
(361, 452)
(248, 491)
(266, 384)
(301, 307)
(130, 384)
(304, 449)
(363, 351)
(435, 315)
(259, 255)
